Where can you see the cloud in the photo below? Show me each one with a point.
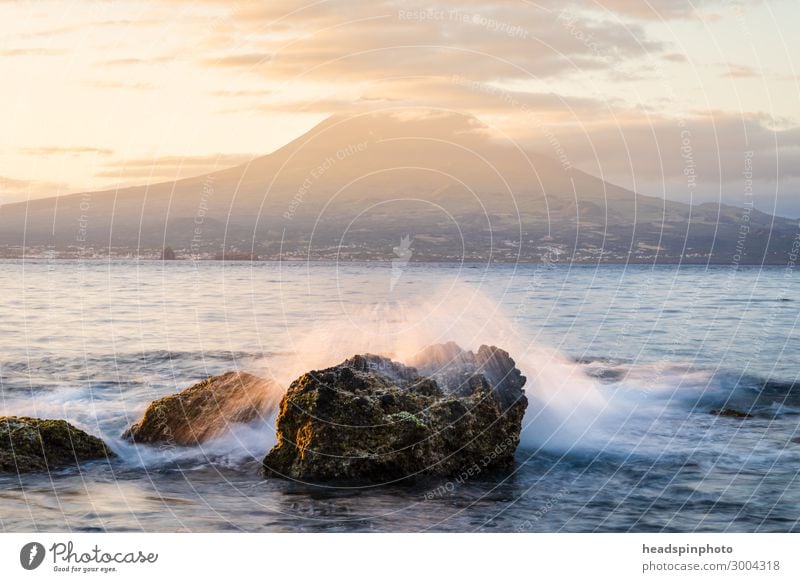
(71, 151)
(33, 52)
(739, 71)
(700, 158)
(249, 60)
(444, 93)
(133, 61)
(652, 9)
(351, 40)
(675, 58)
(80, 27)
(169, 167)
(126, 85)
(241, 93)
(17, 190)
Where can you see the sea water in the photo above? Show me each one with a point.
(625, 366)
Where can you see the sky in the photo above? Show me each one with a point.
(692, 100)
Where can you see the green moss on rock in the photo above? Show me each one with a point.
(406, 417)
(34, 444)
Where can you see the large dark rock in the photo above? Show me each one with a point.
(205, 410)
(34, 444)
(371, 418)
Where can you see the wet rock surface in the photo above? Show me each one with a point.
(374, 419)
(205, 410)
(33, 444)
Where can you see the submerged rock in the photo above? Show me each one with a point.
(205, 410)
(34, 444)
(371, 418)
(731, 413)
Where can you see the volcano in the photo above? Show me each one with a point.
(355, 186)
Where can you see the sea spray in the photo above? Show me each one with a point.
(240, 444)
(565, 404)
(107, 415)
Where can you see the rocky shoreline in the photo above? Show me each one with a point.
(369, 418)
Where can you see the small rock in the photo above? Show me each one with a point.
(34, 444)
(731, 413)
(205, 410)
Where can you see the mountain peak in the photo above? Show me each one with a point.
(388, 124)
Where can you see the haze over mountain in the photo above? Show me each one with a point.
(354, 186)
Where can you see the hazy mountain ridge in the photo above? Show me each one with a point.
(351, 188)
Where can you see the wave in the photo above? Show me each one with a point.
(241, 445)
(700, 389)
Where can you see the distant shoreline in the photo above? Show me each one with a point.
(695, 262)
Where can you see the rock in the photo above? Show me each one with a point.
(374, 419)
(731, 413)
(452, 368)
(205, 410)
(33, 444)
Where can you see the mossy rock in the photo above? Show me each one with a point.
(205, 410)
(374, 419)
(34, 444)
(407, 417)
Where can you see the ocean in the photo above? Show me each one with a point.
(626, 366)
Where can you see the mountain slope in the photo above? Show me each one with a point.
(353, 187)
